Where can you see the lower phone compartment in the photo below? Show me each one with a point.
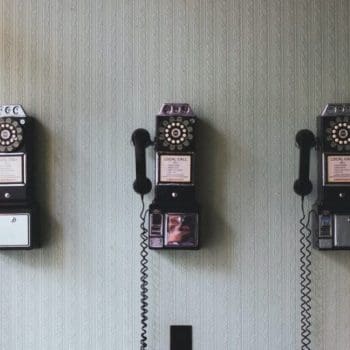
(17, 228)
(173, 230)
(332, 231)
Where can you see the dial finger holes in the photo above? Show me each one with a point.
(10, 134)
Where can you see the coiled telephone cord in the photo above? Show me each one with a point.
(305, 277)
(144, 277)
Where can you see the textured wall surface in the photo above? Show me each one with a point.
(255, 71)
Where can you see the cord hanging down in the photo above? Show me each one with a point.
(305, 277)
(144, 277)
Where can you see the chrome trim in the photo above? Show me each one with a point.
(334, 109)
(12, 111)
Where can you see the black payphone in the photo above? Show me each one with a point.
(331, 224)
(17, 213)
(173, 214)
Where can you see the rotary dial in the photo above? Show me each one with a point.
(176, 133)
(11, 135)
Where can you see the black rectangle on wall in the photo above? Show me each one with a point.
(180, 337)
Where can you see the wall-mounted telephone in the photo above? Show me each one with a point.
(330, 216)
(16, 203)
(331, 224)
(173, 214)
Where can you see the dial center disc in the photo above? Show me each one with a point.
(343, 133)
(176, 133)
(5, 134)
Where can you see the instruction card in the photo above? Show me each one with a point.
(338, 168)
(11, 169)
(175, 168)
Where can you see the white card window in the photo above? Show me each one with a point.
(175, 168)
(338, 169)
(11, 169)
(14, 230)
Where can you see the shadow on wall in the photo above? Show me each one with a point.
(212, 169)
(50, 233)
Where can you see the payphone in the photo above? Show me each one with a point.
(17, 212)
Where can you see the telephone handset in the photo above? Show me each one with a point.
(173, 214)
(16, 202)
(305, 140)
(141, 140)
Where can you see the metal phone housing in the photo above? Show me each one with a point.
(331, 224)
(174, 212)
(17, 211)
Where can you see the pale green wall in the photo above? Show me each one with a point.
(93, 71)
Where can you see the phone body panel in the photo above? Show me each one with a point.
(331, 224)
(174, 212)
(16, 190)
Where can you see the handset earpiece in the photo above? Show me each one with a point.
(305, 140)
(141, 140)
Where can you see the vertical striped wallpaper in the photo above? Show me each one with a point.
(254, 71)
